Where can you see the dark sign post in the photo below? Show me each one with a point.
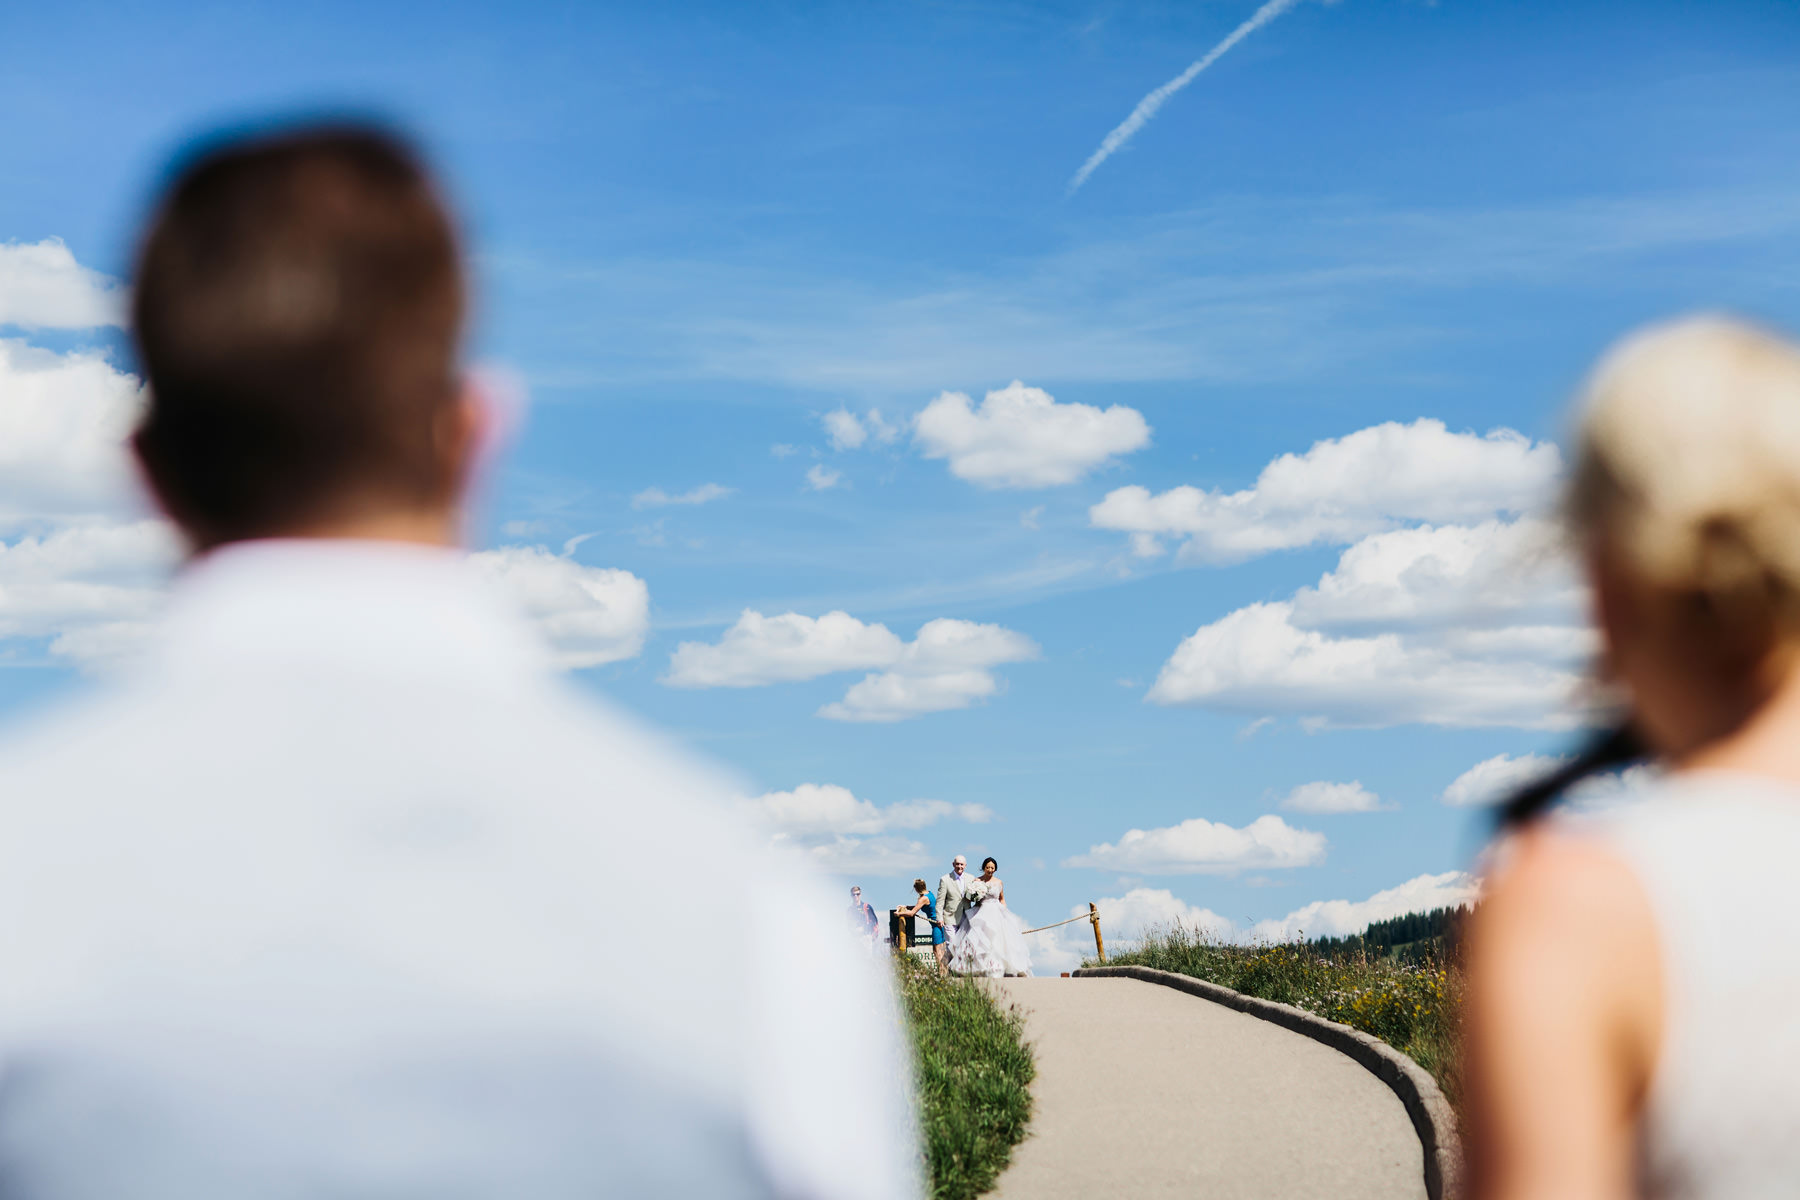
(903, 932)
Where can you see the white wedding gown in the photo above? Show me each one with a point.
(990, 941)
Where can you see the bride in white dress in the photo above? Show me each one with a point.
(990, 940)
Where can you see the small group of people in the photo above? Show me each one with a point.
(972, 930)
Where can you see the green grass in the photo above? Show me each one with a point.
(973, 1073)
(1414, 1007)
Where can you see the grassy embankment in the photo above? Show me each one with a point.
(1414, 1006)
(973, 1071)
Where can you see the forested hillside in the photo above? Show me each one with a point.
(1415, 937)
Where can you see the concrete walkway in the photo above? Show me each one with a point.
(1145, 1091)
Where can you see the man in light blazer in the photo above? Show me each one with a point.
(952, 895)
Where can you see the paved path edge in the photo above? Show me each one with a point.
(1432, 1118)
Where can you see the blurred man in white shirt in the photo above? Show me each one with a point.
(342, 892)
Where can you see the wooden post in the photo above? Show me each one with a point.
(1094, 916)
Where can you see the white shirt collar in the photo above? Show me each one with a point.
(393, 608)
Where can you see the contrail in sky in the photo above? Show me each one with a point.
(1147, 107)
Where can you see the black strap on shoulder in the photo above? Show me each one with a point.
(1608, 751)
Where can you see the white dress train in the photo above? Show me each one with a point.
(990, 941)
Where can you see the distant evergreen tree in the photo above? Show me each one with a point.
(1414, 937)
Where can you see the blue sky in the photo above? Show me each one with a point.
(698, 230)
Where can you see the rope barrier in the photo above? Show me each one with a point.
(1082, 917)
(1040, 928)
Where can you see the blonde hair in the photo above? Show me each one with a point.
(1688, 464)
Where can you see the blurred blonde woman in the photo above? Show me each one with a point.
(1634, 1007)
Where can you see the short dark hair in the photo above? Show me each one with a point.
(986, 861)
(298, 311)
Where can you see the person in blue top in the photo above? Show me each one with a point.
(927, 904)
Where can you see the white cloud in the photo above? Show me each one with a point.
(43, 287)
(92, 588)
(822, 808)
(1612, 789)
(842, 834)
(948, 644)
(86, 573)
(844, 429)
(840, 855)
(1564, 646)
(890, 696)
(1341, 918)
(759, 650)
(1257, 660)
(821, 478)
(1202, 847)
(1056, 950)
(1448, 625)
(879, 427)
(1496, 573)
(590, 615)
(946, 666)
(783, 450)
(1019, 437)
(1029, 518)
(1492, 779)
(1325, 797)
(847, 431)
(1343, 489)
(1123, 921)
(64, 420)
(1140, 910)
(657, 498)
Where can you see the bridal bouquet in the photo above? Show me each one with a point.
(975, 893)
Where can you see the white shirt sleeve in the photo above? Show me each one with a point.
(831, 1076)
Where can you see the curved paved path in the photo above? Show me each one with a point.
(1144, 1091)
